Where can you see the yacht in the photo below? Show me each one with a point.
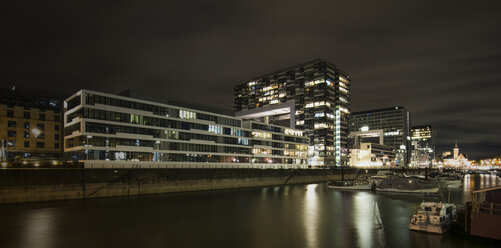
(433, 217)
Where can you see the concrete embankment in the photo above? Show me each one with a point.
(30, 185)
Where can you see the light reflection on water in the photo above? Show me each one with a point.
(285, 216)
(38, 229)
(310, 215)
(363, 215)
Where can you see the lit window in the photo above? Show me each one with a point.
(185, 114)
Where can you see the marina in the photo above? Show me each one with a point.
(303, 215)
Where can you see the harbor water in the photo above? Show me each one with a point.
(284, 216)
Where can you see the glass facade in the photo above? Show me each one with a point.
(395, 125)
(320, 95)
(423, 152)
(104, 127)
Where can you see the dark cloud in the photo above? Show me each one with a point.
(440, 59)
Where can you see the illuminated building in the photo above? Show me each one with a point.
(314, 97)
(422, 143)
(456, 159)
(136, 130)
(30, 124)
(393, 121)
(371, 154)
(493, 162)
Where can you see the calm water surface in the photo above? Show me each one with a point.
(285, 216)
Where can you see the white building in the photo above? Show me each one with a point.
(370, 154)
(106, 130)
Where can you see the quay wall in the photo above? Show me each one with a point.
(32, 185)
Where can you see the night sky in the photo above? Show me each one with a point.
(439, 59)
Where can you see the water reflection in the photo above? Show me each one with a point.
(363, 218)
(367, 220)
(39, 228)
(310, 215)
(284, 216)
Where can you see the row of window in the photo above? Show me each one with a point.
(40, 126)
(151, 121)
(27, 115)
(12, 133)
(157, 145)
(163, 145)
(13, 143)
(92, 99)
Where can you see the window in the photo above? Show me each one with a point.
(185, 114)
(27, 115)
(56, 127)
(41, 126)
(10, 113)
(41, 136)
(26, 134)
(40, 145)
(56, 136)
(56, 145)
(42, 117)
(27, 125)
(11, 143)
(11, 123)
(26, 144)
(56, 117)
(11, 133)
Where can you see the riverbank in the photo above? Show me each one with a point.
(32, 185)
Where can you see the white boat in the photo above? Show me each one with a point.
(349, 185)
(452, 184)
(433, 217)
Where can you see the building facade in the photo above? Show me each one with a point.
(371, 155)
(106, 130)
(314, 97)
(423, 148)
(395, 125)
(30, 125)
(454, 160)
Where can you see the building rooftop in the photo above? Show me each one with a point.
(294, 67)
(378, 110)
(148, 96)
(421, 127)
(29, 97)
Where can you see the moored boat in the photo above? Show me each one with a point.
(407, 185)
(349, 185)
(433, 217)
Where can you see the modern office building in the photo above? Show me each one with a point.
(106, 130)
(371, 155)
(394, 122)
(30, 124)
(423, 148)
(314, 97)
